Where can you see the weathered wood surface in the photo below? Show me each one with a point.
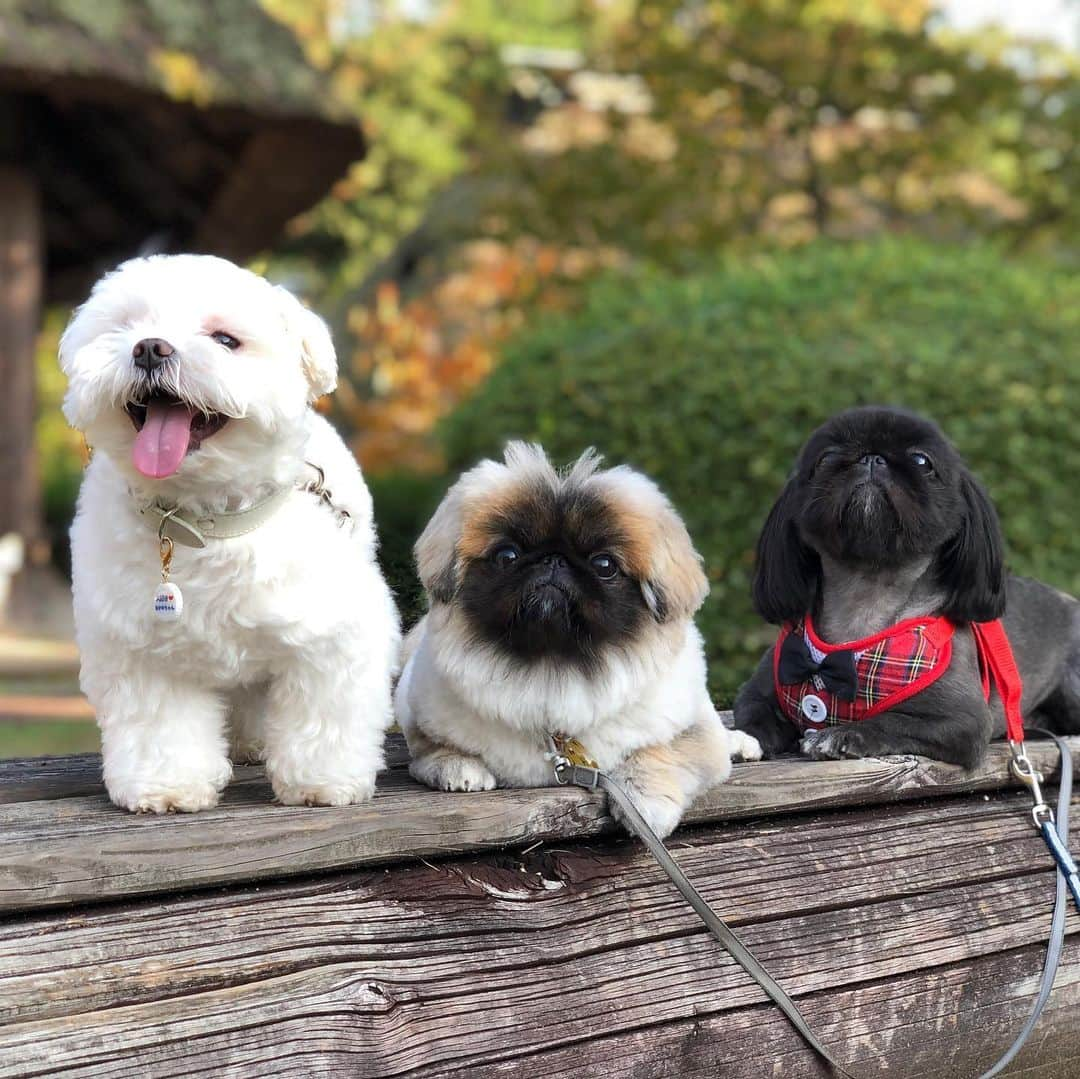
(79, 848)
(910, 935)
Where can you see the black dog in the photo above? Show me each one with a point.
(882, 523)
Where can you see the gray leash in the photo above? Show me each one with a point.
(573, 767)
(568, 771)
(1056, 942)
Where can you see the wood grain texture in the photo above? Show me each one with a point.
(81, 849)
(909, 934)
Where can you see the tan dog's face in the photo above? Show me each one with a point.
(548, 565)
(185, 365)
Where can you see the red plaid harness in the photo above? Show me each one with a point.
(890, 667)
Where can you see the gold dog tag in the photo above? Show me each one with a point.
(168, 599)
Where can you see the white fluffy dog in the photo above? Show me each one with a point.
(192, 380)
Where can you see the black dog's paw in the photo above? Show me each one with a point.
(838, 743)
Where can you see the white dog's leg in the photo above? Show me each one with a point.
(326, 718)
(163, 743)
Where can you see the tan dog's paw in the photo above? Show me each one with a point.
(246, 753)
(662, 814)
(744, 746)
(448, 771)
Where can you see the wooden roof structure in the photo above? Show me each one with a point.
(904, 903)
(175, 126)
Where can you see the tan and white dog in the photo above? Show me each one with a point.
(562, 602)
(193, 381)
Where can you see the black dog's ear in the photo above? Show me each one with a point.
(971, 566)
(787, 573)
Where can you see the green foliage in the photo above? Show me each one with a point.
(403, 504)
(711, 383)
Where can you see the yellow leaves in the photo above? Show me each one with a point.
(181, 76)
(419, 357)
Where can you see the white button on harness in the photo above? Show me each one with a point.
(814, 709)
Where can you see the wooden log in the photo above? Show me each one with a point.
(81, 849)
(909, 933)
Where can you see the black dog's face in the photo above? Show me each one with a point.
(881, 489)
(878, 489)
(554, 578)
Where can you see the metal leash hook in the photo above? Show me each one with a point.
(570, 762)
(1025, 771)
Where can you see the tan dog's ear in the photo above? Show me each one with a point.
(659, 552)
(675, 585)
(317, 355)
(437, 548)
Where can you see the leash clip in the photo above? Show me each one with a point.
(1022, 768)
(570, 763)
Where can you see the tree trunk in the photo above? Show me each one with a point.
(21, 520)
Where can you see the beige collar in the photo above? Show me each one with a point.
(191, 530)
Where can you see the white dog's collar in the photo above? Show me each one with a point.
(183, 527)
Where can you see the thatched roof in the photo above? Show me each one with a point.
(195, 125)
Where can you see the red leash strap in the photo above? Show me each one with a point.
(999, 665)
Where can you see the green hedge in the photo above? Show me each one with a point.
(711, 383)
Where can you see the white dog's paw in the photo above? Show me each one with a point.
(187, 797)
(744, 746)
(339, 791)
(662, 814)
(445, 771)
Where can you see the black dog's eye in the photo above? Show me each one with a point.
(505, 555)
(226, 339)
(921, 461)
(604, 566)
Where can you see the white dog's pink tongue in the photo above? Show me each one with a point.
(161, 444)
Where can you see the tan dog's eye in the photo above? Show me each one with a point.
(226, 339)
(604, 566)
(505, 556)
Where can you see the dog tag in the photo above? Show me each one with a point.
(168, 602)
(168, 599)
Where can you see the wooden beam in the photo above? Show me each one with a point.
(81, 849)
(910, 934)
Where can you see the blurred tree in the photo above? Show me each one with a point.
(508, 138)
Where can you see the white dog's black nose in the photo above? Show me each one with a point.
(151, 352)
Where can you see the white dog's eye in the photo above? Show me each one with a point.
(226, 339)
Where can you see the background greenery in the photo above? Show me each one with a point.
(711, 383)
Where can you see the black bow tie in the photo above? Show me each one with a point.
(836, 670)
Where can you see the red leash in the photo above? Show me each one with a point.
(997, 662)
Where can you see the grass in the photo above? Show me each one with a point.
(51, 737)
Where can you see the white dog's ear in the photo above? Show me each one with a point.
(317, 355)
